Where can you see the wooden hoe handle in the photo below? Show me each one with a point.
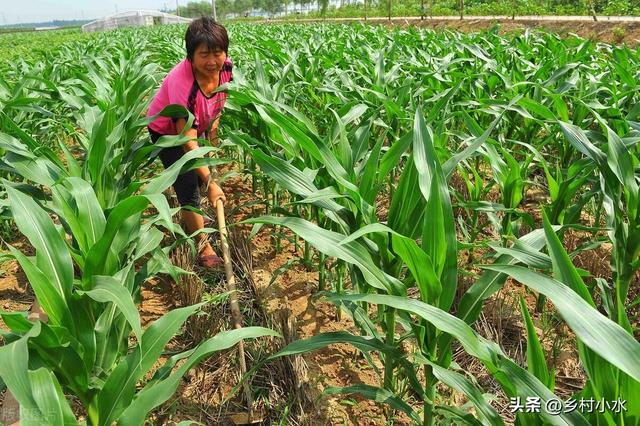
(233, 297)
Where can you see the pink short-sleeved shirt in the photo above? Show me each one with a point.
(181, 87)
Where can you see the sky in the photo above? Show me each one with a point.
(24, 11)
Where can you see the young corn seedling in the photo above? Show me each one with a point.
(616, 163)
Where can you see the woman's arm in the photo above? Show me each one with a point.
(192, 134)
(213, 134)
(214, 192)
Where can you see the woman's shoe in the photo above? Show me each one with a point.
(212, 261)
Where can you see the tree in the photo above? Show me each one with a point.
(241, 6)
(195, 9)
(461, 3)
(223, 7)
(324, 5)
(304, 3)
(592, 9)
(271, 6)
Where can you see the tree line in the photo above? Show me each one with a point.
(413, 7)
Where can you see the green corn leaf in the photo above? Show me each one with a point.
(362, 136)
(621, 163)
(322, 340)
(159, 201)
(434, 241)
(111, 290)
(52, 302)
(577, 137)
(525, 255)
(74, 167)
(38, 169)
(90, 214)
(119, 387)
(424, 155)
(563, 268)
(52, 255)
(599, 333)
(293, 131)
(370, 229)
(325, 194)
(31, 143)
(406, 213)
(421, 267)
(368, 185)
(491, 281)
(65, 208)
(438, 236)
(345, 154)
(161, 263)
(311, 144)
(101, 135)
(165, 179)
(460, 383)
(537, 108)
(536, 362)
(450, 165)
(391, 158)
(455, 415)
(57, 348)
(49, 398)
(14, 370)
(149, 241)
(515, 381)
(294, 180)
(328, 242)
(16, 321)
(100, 260)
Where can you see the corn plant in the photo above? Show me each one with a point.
(608, 350)
(617, 168)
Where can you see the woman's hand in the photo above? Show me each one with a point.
(214, 193)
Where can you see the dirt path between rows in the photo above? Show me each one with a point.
(291, 294)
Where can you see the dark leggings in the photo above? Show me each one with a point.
(187, 185)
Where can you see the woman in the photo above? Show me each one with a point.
(192, 83)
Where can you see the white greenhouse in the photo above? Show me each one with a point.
(135, 18)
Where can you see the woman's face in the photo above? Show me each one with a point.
(208, 62)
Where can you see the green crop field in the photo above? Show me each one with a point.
(419, 176)
(16, 47)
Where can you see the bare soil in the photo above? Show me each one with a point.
(608, 32)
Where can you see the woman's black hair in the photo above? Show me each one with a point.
(208, 32)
